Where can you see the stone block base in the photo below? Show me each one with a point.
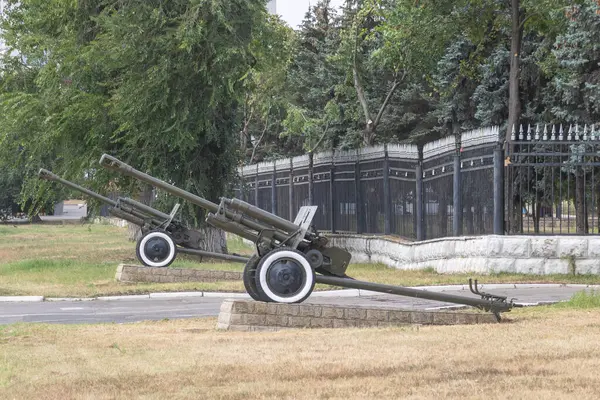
(137, 273)
(245, 315)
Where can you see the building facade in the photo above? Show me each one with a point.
(272, 6)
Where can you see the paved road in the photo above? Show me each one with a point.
(119, 311)
(131, 310)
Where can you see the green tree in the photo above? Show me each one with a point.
(158, 84)
(313, 115)
(266, 97)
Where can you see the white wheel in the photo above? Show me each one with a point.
(285, 276)
(249, 278)
(156, 249)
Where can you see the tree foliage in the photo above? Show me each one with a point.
(190, 89)
(158, 84)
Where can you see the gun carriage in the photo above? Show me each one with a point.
(162, 235)
(292, 256)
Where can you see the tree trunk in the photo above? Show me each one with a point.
(369, 134)
(243, 142)
(515, 207)
(580, 206)
(134, 232)
(514, 103)
(514, 111)
(215, 240)
(311, 184)
(537, 213)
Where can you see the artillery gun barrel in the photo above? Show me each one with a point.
(229, 226)
(262, 215)
(119, 166)
(133, 215)
(126, 216)
(144, 208)
(218, 256)
(114, 164)
(49, 176)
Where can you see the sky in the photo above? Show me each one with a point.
(293, 11)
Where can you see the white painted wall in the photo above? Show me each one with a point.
(538, 255)
(71, 208)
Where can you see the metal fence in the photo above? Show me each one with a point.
(552, 180)
(449, 188)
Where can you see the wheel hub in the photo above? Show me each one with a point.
(285, 277)
(157, 249)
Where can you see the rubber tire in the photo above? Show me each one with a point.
(248, 277)
(145, 260)
(261, 271)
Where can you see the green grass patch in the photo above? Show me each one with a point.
(56, 271)
(7, 230)
(236, 245)
(582, 300)
(81, 261)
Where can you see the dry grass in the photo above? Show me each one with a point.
(524, 359)
(81, 261)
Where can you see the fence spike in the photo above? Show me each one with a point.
(545, 137)
(537, 132)
(593, 134)
(521, 132)
(585, 136)
(528, 131)
(512, 136)
(569, 132)
(576, 132)
(560, 133)
(553, 136)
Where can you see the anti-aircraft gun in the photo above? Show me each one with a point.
(292, 256)
(162, 235)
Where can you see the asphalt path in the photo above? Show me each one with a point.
(136, 309)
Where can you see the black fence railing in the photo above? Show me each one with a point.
(553, 184)
(449, 188)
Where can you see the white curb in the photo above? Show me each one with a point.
(132, 297)
(228, 295)
(171, 295)
(29, 299)
(69, 299)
